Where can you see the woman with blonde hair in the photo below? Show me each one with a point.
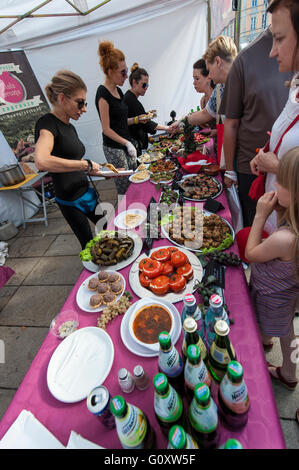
(275, 269)
(143, 126)
(60, 152)
(218, 57)
(113, 112)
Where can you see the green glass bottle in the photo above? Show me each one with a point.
(168, 404)
(170, 362)
(203, 417)
(231, 444)
(221, 351)
(132, 425)
(233, 397)
(178, 438)
(192, 336)
(195, 371)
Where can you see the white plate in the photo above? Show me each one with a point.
(119, 220)
(141, 181)
(172, 297)
(119, 173)
(81, 362)
(136, 348)
(138, 243)
(83, 294)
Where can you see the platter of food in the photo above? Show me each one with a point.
(199, 187)
(162, 145)
(140, 176)
(100, 290)
(166, 273)
(129, 339)
(198, 230)
(111, 249)
(162, 177)
(162, 166)
(168, 196)
(130, 219)
(150, 157)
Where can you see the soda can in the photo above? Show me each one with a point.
(98, 402)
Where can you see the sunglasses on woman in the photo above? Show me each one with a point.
(81, 104)
(124, 72)
(144, 85)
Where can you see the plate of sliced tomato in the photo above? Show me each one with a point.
(167, 272)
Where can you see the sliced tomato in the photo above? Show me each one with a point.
(167, 268)
(144, 280)
(142, 263)
(178, 258)
(152, 268)
(186, 270)
(177, 282)
(160, 285)
(172, 249)
(161, 255)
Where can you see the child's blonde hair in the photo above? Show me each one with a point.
(288, 177)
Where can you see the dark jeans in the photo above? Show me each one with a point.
(78, 221)
(247, 204)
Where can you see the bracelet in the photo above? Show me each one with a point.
(136, 120)
(90, 167)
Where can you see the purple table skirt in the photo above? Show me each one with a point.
(5, 274)
(263, 430)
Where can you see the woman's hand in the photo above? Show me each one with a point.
(131, 150)
(266, 204)
(143, 118)
(174, 128)
(264, 163)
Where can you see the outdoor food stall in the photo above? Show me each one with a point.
(136, 279)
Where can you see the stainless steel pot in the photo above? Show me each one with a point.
(11, 174)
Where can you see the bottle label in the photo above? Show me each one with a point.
(170, 407)
(132, 429)
(235, 396)
(195, 374)
(203, 420)
(170, 362)
(221, 355)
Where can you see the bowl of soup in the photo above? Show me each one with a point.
(147, 322)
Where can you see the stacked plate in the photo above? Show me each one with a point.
(129, 339)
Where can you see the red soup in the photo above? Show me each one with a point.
(149, 322)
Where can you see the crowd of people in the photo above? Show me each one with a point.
(244, 91)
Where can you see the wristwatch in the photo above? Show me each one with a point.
(90, 167)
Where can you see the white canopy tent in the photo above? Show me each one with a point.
(164, 36)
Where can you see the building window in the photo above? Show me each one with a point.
(253, 23)
(264, 21)
(254, 3)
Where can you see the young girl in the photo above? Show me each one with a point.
(275, 269)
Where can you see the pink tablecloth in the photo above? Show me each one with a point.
(5, 274)
(263, 429)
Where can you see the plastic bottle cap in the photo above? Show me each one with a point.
(193, 352)
(164, 339)
(234, 370)
(215, 300)
(190, 325)
(177, 437)
(233, 444)
(122, 373)
(221, 328)
(160, 382)
(202, 393)
(189, 299)
(138, 371)
(118, 405)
